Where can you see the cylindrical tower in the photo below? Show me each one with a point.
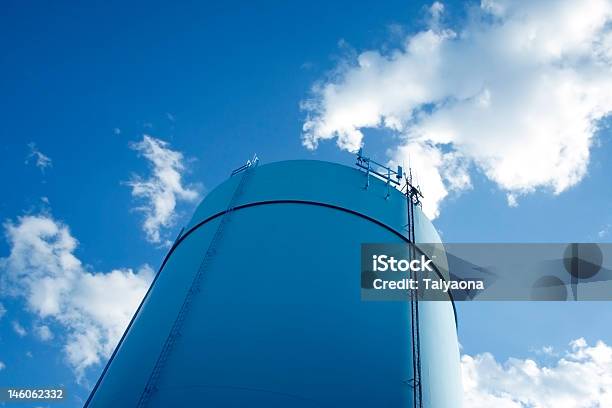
(258, 303)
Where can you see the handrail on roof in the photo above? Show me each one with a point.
(253, 162)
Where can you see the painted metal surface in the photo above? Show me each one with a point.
(278, 320)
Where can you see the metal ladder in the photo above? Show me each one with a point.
(195, 287)
(412, 200)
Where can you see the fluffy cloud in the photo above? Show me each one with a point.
(41, 160)
(19, 329)
(603, 232)
(582, 378)
(44, 332)
(516, 92)
(2, 366)
(161, 191)
(93, 307)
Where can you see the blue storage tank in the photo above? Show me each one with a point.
(258, 304)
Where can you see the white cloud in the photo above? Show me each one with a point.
(604, 231)
(161, 191)
(44, 332)
(93, 307)
(2, 310)
(19, 329)
(42, 161)
(512, 200)
(582, 378)
(436, 10)
(546, 351)
(2, 366)
(517, 92)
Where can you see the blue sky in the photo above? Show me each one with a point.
(218, 83)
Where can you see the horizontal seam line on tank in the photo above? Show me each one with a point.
(212, 217)
(306, 202)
